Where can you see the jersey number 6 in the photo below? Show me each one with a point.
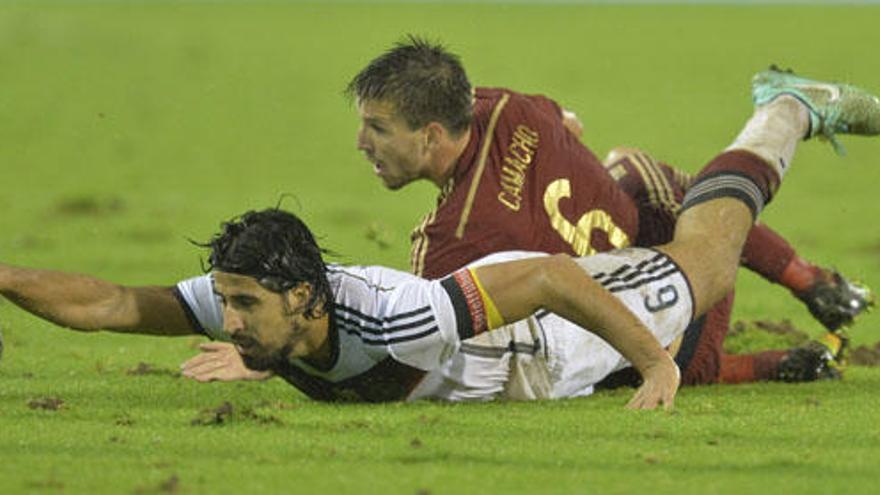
(578, 236)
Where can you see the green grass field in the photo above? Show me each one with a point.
(127, 128)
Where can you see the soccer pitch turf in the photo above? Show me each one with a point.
(130, 127)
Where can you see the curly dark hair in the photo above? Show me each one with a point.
(277, 249)
(425, 82)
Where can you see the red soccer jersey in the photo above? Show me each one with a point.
(524, 182)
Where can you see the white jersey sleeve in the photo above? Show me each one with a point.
(412, 319)
(202, 305)
(438, 339)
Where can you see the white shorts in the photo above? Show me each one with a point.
(546, 356)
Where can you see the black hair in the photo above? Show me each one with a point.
(277, 249)
(425, 82)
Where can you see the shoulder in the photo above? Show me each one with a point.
(201, 305)
(505, 256)
(521, 102)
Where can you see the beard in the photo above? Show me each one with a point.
(265, 361)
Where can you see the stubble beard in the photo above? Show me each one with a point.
(269, 361)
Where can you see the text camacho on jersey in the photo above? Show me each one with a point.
(523, 182)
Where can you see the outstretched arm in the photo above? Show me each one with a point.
(86, 303)
(558, 284)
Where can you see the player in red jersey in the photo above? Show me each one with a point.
(514, 175)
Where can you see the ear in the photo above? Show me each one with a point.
(435, 135)
(298, 297)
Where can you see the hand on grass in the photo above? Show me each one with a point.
(220, 361)
(659, 386)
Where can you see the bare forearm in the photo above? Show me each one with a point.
(69, 300)
(87, 303)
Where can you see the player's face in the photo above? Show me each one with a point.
(266, 327)
(399, 154)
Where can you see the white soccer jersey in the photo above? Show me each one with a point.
(396, 336)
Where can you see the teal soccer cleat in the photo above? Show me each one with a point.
(834, 108)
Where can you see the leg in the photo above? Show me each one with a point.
(721, 206)
(832, 299)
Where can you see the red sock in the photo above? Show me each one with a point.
(767, 253)
(734, 174)
(800, 275)
(745, 368)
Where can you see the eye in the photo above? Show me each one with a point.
(243, 302)
(377, 128)
(220, 297)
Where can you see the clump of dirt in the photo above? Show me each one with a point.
(143, 368)
(215, 416)
(864, 355)
(784, 328)
(226, 412)
(46, 403)
(124, 421)
(48, 484)
(170, 486)
(260, 418)
(86, 206)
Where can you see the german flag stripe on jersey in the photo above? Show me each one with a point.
(474, 310)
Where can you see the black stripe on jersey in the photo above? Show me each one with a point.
(642, 264)
(384, 338)
(615, 273)
(496, 352)
(463, 321)
(387, 319)
(642, 281)
(384, 330)
(623, 268)
(725, 183)
(190, 315)
(639, 271)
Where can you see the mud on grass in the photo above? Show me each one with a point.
(747, 336)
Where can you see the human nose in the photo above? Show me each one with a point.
(363, 143)
(232, 322)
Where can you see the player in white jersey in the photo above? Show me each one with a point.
(339, 333)
(422, 333)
